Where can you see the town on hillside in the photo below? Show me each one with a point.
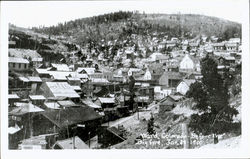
(142, 90)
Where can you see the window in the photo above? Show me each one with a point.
(14, 65)
(19, 65)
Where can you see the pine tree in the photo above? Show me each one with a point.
(211, 97)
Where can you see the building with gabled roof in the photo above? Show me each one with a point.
(59, 67)
(58, 89)
(189, 64)
(18, 64)
(170, 79)
(184, 86)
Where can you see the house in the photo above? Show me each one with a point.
(132, 71)
(74, 81)
(189, 64)
(66, 104)
(51, 105)
(59, 67)
(23, 115)
(154, 71)
(18, 64)
(64, 121)
(37, 62)
(91, 104)
(12, 43)
(35, 83)
(194, 46)
(166, 105)
(158, 57)
(70, 143)
(142, 101)
(105, 102)
(59, 89)
(169, 102)
(12, 98)
(170, 79)
(184, 86)
(226, 60)
(171, 43)
(218, 46)
(232, 46)
(85, 70)
(37, 99)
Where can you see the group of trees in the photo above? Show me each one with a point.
(212, 101)
(84, 22)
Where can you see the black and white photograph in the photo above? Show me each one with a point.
(125, 75)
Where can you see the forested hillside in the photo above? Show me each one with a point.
(121, 24)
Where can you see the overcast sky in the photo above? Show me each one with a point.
(28, 14)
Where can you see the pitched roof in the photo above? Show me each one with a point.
(61, 67)
(194, 59)
(13, 130)
(172, 75)
(85, 69)
(166, 102)
(52, 105)
(176, 97)
(37, 59)
(231, 44)
(76, 88)
(90, 103)
(68, 143)
(34, 79)
(107, 100)
(21, 53)
(37, 97)
(156, 69)
(218, 44)
(116, 132)
(18, 60)
(66, 103)
(24, 79)
(71, 116)
(13, 96)
(25, 108)
(62, 89)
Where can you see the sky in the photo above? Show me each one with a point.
(48, 13)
